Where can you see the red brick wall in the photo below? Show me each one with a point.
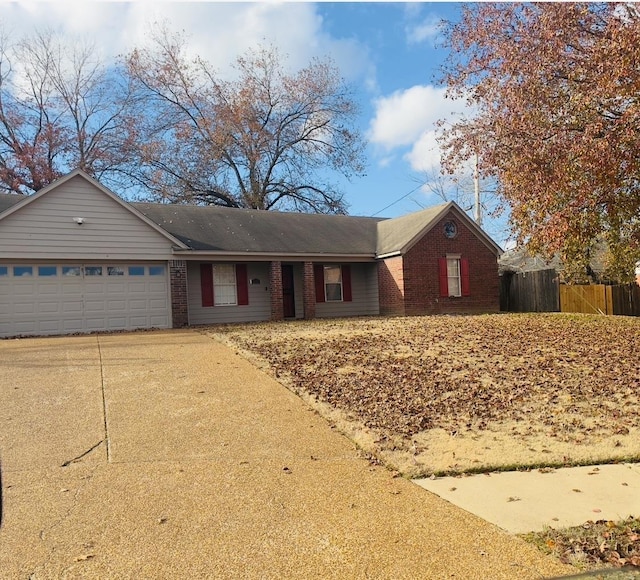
(421, 282)
(391, 286)
(179, 301)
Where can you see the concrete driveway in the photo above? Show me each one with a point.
(166, 455)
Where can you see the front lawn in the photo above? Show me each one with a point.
(449, 394)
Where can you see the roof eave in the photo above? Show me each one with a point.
(230, 255)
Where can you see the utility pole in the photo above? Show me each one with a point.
(476, 187)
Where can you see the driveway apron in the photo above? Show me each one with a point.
(167, 455)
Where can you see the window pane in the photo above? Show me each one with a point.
(71, 270)
(22, 271)
(453, 276)
(224, 274)
(4, 271)
(93, 270)
(136, 270)
(333, 283)
(115, 270)
(224, 285)
(334, 292)
(156, 270)
(47, 271)
(454, 287)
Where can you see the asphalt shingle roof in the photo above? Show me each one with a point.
(245, 230)
(213, 228)
(9, 199)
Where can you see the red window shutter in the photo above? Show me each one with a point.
(464, 277)
(346, 283)
(444, 283)
(242, 286)
(318, 274)
(206, 284)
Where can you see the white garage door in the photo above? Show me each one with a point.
(38, 299)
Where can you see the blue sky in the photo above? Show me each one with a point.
(388, 52)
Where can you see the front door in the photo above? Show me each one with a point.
(288, 296)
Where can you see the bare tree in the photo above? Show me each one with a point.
(61, 108)
(265, 139)
(460, 188)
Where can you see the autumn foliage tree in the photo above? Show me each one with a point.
(61, 108)
(263, 138)
(555, 90)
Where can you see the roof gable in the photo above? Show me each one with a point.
(11, 205)
(398, 235)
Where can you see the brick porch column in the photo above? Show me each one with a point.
(275, 282)
(178, 285)
(308, 291)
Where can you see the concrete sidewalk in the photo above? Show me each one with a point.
(522, 502)
(165, 455)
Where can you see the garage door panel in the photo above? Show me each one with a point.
(116, 322)
(140, 304)
(73, 325)
(25, 326)
(159, 321)
(69, 298)
(137, 287)
(49, 326)
(22, 308)
(72, 307)
(94, 306)
(96, 323)
(49, 308)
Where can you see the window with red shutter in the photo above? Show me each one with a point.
(464, 277)
(206, 284)
(242, 286)
(346, 283)
(442, 274)
(318, 274)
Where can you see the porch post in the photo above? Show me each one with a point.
(309, 291)
(178, 283)
(275, 282)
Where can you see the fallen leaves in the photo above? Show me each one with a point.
(570, 378)
(593, 544)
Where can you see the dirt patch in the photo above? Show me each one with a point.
(448, 394)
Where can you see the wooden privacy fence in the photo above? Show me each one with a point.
(600, 299)
(541, 292)
(530, 291)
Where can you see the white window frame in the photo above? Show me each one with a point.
(329, 268)
(225, 291)
(454, 276)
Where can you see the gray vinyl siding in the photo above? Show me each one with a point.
(259, 307)
(44, 229)
(364, 290)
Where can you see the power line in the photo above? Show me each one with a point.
(397, 200)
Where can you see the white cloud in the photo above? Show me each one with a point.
(217, 31)
(425, 153)
(428, 29)
(408, 119)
